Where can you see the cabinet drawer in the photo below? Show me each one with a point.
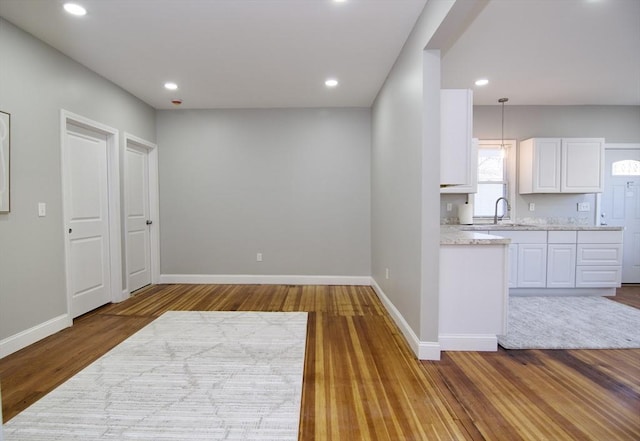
(599, 254)
(562, 236)
(599, 236)
(523, 236)
(598, 276)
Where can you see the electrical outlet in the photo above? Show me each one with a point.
(42, 209)
(259, 257)
(532, 206)
(449, 206)
(584, 206)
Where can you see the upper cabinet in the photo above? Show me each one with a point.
(458, 153)
(561, 165)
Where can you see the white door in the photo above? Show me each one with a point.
(621, 205)
(138, 217)
(87, 219)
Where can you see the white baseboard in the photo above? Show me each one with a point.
(562, 292)
(465, 342)
(248, 279)
(424, 350)
(29, 336)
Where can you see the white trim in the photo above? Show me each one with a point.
(424, 350)
(113, 171)
(250, 279)
(471, 342)
(29, 336)
(154, 203)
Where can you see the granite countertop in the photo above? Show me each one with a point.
(452, 235)
(535, 227)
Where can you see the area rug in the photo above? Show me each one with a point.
(570, 323)
(185, 376)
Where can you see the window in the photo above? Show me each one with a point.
(628, 167)
(496, 179)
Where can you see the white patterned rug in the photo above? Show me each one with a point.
(570, 323)
(185, 376)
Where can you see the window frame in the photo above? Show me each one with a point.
(510, 179)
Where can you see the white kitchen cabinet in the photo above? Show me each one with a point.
(561, 259)
(458, 152)
(599, 259)
(561, 265)
(561, 165)
(532, 265)
(527, 258)
(513, 265)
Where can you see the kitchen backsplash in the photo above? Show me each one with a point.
(550, 209)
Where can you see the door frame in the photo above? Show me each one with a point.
(154, 205)
(113, 189)
(610, 146)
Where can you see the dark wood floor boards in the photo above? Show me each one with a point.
(362, 382)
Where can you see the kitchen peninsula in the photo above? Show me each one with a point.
(474, 290)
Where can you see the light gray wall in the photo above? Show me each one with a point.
(37, 81)
(292, 184)
(617, 124)
(405, 233)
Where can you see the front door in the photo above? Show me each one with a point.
(138, 217)
(87, 219)
(621, 205)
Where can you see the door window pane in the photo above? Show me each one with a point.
(628, 167)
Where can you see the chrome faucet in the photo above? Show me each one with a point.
(495, 215)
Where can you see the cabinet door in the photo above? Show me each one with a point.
(456, 159)
(561, 266)
(540, 165)
(532, 265)
(513, 265)
(582, 165)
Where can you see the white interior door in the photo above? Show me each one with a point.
(87, 219)
(621, 205)
(138, 218)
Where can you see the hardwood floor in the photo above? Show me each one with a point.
(361, 380)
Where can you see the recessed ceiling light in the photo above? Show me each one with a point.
(331, 82)
(482, 82)
(170, 86)
(339, 1)
(74, 9)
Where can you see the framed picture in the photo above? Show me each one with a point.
(5, 146)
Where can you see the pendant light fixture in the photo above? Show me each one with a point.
(502, 147)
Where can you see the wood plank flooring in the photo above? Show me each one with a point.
(361, 380)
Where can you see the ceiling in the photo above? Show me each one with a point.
(230, 53)
(550, 52)
(278, 53)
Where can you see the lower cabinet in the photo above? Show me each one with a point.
(527, 258)
(513, 265)
(599, 259)
(561, 265)
(564, 258)
(532, 265)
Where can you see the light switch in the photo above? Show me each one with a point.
(42, 209)
(532, 206)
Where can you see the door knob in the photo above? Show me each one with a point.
(149, 222)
